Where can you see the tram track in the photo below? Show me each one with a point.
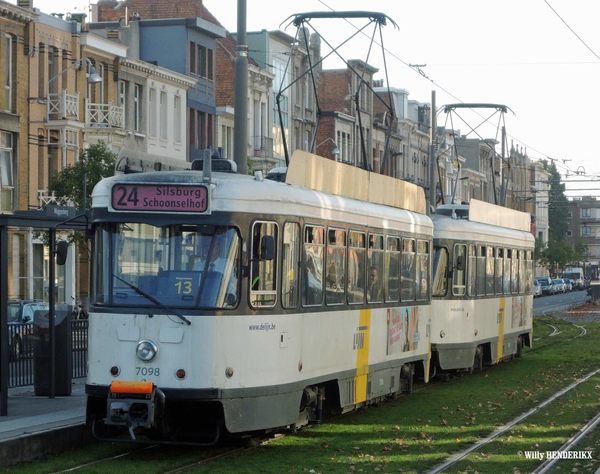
(456, 458)
(207, 460)
(209, 456)
(107, 459)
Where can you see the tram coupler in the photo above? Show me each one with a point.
(133, 405)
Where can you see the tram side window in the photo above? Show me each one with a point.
(514, 277)
(375, 272)
(458, 270)
(529, 270)
(440, 271)
(391, 279)
(356, 267)
(312, 286)
(489, 271)
(407, 270)
(336, 267)
(472, 270)
(290, 265)
(498, 270)
(422, 270)
(507, 270)
(481, 270)
(522, 266)
(263, 291)
(100, 271)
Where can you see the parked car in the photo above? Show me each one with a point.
(537, 288)
(560, 285)
(547, 285)
(568, 284)
(20, 325)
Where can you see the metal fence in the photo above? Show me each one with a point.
(28, 353)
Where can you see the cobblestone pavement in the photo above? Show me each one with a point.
(586, 313)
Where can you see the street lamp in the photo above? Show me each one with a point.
(65, 104)
(93, 76)
(335, 151)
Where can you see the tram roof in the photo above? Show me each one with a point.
(484, 222)
(232, 192)
(487, 213)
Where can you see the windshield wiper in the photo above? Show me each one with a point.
(154, 300)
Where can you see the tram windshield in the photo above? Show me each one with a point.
(178, 266)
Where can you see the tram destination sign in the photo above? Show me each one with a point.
(159, 198)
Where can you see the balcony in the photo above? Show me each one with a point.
(263, 147)
(104, 115)
(62, 106)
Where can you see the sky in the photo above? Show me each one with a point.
(540, 58)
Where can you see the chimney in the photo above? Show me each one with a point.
(28, 4)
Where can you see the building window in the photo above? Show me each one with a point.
(164, 129)
(200, 123)
(201, 61)
(137, 92)
(96, 90)
(177, 122)
(569, 233)
(8, 72)
(586, 212)
(307, 92)
(209, 64)
(193, 59)
(6, 172)
(586, 231)
(569, 215)
(280, 83)
(152, 113)
(297, 87)
(53, 85)
(122, 101)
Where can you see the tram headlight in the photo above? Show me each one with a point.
(146, 350)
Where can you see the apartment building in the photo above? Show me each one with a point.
(584, 227)
(260, 83)
(290, 110)
(180, 40)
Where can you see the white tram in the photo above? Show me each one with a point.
(482, 286)
(227, 305)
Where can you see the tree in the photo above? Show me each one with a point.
(557, 206)
(558, 254)
(95, 163)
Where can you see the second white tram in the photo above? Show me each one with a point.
(483, 285)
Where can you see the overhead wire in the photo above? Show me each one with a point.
(417, 70)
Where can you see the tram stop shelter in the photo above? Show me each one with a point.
(19, 227)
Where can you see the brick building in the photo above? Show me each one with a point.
(345, 119)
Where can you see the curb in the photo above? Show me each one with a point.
(29, 446)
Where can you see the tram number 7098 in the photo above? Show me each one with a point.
(147, 371)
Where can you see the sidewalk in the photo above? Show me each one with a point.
(38, 425)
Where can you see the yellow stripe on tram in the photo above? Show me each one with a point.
(361, 342)
(501, 319)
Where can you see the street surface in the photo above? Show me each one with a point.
(560, 302)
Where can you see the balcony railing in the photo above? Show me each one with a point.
(104, 115)
(263, 146)
(62, 105)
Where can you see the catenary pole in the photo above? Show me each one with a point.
(432, 195)
(240, 132)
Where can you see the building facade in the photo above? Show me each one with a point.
(291, 109)
(584, 228)
(180, 40)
